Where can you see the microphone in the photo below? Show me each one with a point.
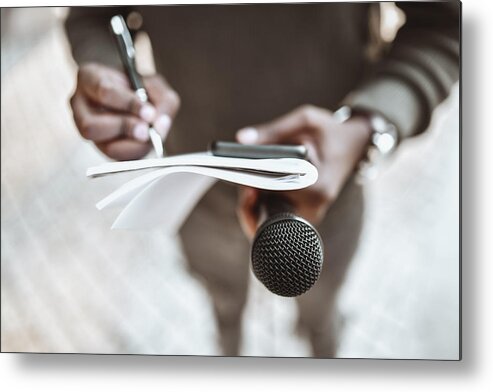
(287, 251)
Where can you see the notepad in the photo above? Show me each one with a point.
(165, 190)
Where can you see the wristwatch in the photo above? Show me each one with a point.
(383, 141)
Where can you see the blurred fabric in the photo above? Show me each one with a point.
(70, 284)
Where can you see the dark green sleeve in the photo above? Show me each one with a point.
(419, 70)
(89, 34)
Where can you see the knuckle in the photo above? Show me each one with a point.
(89, 66)
(134, 104)
(329, 194)
(307, 107)
(330, 197)
(72, 101)
(104, 88)
(325, 192)
(158, 79)
(77, 117)
(155, 82)
(86, 129)
(81, 77)
(92, 68)
(126, 126)
(174, 100)
(309, 115)
(85, 70)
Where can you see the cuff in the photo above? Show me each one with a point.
(392, 99)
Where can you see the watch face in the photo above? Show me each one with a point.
(384, 134)
(385, 142)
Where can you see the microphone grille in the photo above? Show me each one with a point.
(287, 255)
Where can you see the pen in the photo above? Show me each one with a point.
(127, 54)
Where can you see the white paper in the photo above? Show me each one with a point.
(158, 207)
(165, 196)
(282, 165)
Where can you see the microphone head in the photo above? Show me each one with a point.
(287, 255)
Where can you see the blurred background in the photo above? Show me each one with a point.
(63, 291)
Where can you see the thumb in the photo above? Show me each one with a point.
(260, 134)
(247, 210)
(284, 129)
(248, 135)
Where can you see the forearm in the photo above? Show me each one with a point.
(419, 70)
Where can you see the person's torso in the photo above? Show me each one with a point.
(239, 65)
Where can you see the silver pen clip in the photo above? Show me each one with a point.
(157, 142)
(127, 54)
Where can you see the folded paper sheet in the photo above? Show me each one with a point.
(165, 196)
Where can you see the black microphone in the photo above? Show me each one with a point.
(287, 251)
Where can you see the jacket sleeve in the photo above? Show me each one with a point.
(89, 34)
(421, 67)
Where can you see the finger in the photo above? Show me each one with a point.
(113, 73)
(105, 89)
(104, 126)
(247, 211)
(166, 101)
(164, 98)
(288, 128)
(124, 149)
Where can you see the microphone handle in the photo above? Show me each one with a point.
(273, 203)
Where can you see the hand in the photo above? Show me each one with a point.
(108, 112)
(334, 148)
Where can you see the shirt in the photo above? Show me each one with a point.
(240, 65)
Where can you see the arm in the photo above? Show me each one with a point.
(419, 70)
(407, 85)
(105, 108)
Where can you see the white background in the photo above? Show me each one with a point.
(82, 372)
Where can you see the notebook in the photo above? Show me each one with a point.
(164, 191)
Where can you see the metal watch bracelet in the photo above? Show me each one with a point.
(383, 141)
